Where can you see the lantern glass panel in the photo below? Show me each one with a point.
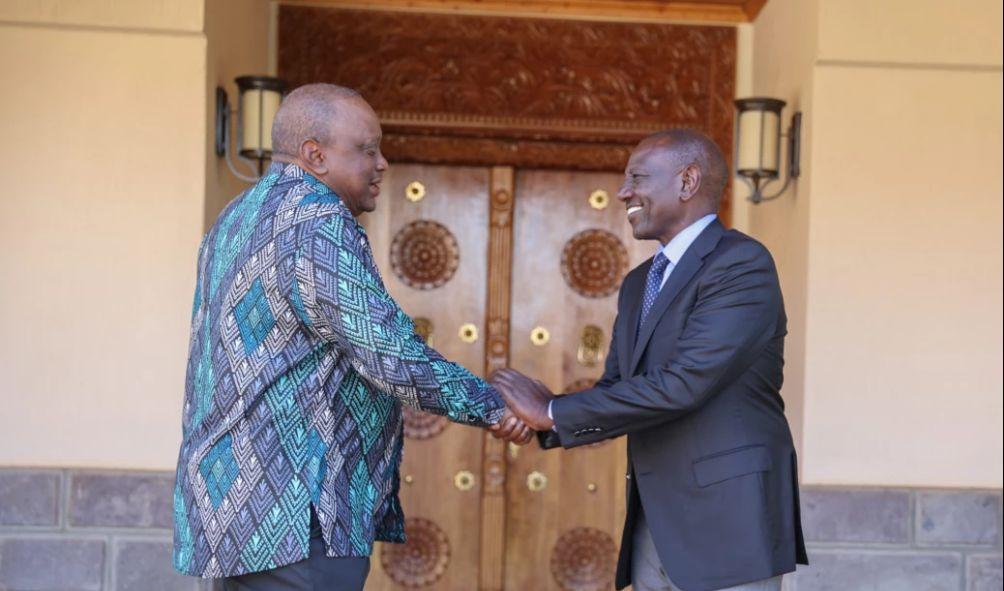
(750, 130)
(258, 108)
(769, 148)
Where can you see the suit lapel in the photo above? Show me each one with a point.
(632, 310)
(691, 262)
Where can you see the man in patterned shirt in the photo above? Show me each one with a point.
(299, 362)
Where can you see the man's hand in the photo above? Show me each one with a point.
(510, 428)
(527, 398)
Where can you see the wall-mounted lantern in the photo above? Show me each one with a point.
(758, 145)
(258, 100)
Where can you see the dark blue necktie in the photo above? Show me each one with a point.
(652, 284)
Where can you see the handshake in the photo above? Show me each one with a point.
(527, 402)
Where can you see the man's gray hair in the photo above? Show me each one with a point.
(693, 147)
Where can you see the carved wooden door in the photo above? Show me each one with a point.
(543, 302)
(429, 239)
(572, 247)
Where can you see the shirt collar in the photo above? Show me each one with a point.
(675, 248)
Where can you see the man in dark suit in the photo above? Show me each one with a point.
(693, 379)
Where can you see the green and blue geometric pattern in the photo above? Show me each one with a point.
(219, 469)
(299, 362)
(254, 319)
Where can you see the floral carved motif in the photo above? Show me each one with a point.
(422, 425)
(583, 559)
(422, 560)
(579, 385)
(593, 262)
(424, 254)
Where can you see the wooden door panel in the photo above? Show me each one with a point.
(444, 534)
(566, 535)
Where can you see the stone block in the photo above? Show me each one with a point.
(123, 499)
(958, 517)
(856, 515)
(44, 564)
(840, 570)
(29, 497)
(983, 573)
(141, 565)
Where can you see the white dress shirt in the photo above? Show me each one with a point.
(675, 248)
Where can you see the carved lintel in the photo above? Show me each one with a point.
(524, 92)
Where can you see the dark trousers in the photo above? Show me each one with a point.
(317, 573)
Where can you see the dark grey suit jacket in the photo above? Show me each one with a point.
(696, 389)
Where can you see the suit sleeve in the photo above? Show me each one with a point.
(733, 318)
(343, 301)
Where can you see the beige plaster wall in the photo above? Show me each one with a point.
(237, 36)
(784, 54)
(891, 242)
(181, 16)
(111, 178)
(100, 218)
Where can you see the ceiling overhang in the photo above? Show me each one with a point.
(660, 11)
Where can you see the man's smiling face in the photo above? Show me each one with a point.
(355, 164)
(651, 191)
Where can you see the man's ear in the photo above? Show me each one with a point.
(313, 157)
(691, 179)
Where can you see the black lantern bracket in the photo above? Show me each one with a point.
(228, 117)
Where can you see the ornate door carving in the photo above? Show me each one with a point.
(429, 239)
(521, 92)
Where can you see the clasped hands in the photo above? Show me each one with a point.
(526, 406)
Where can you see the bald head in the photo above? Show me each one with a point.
(693, 147)
(308, 113)
(333, 134)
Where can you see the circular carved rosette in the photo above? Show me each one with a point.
(584, 560)
(422, 560)
(422, 425)
(593, 263)
(578, 386)
(424, 254)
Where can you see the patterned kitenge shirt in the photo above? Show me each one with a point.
(298, 365)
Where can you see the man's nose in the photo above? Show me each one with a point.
(382, 163)
(625, 192)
